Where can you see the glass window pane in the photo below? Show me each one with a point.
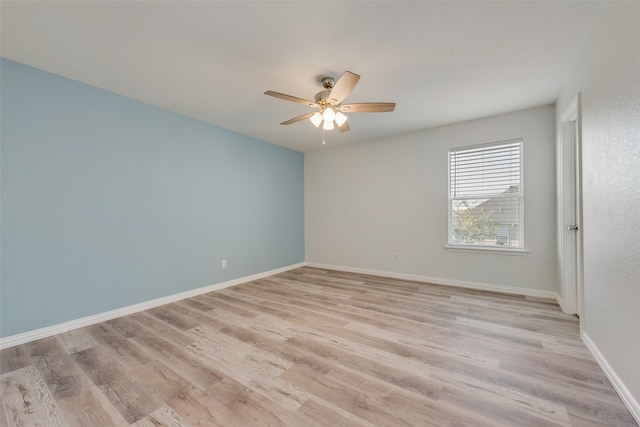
(485, 195)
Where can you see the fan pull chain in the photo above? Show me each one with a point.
(323, 141)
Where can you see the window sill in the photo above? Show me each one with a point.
(484, 249)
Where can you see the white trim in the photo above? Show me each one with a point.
(447, 282)
(486, 249)
(571, 112)
(569, 177)
(560, 302)
(60, 328)
(625, 395)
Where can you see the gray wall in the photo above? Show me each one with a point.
(108, 202)
(608, 77)
(365, 202)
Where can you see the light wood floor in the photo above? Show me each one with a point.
(312, 347)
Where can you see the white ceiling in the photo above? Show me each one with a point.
(441, 62)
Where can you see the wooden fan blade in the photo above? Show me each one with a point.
(291, 98)
(343, 87)
(345, 127)
(368, 107)
(297, 119)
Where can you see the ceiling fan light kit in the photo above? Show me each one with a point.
(316, 119)
(329, 101)
(340, 118)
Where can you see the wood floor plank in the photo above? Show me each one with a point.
(398, 375)
(59, 371)
(125, 394)
(316, 347)
(91, 408)
(26, 400)
(504, 412)
(120, 348)
(245, 407)
(75, 341)
(171, 315)
(257, 369)
(349, 399)
(200, 409)
(144, 322)
(13, 358)
(163, 416)
(316, 409)
(181, 361)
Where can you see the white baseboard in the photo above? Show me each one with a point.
(447, 282)
(627, 398)
(560, 302)
(48, 331)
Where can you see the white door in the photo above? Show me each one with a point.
(571, 218)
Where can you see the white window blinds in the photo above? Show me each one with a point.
(485, 195)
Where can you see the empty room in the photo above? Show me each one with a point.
(318, 213)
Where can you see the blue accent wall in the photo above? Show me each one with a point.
(109, 202)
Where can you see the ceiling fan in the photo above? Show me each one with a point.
(329, 102)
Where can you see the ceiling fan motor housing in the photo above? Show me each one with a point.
(328, 82)
(321, 97)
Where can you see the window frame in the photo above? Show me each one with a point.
(495, 248)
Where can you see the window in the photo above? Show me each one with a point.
(485, 196)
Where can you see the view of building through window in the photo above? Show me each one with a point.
(485, 195)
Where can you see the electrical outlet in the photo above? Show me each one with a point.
(224, 263)
(396, 257)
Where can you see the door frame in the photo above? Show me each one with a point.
(572, 255)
